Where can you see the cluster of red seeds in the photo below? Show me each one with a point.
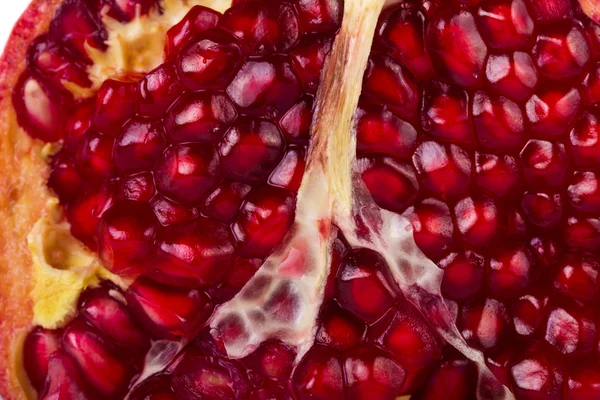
(481, 124)
(478, 121)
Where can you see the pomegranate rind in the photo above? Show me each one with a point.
(23, 197)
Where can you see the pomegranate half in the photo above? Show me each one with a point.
(301, 199)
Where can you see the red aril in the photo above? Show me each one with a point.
(107, 368)
(362, 286)
(319, 375)
(197, 20)
(40, 344)
(168, 312)
(209, 61)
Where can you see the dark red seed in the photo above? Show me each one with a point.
(209, 61)
(197, 20)
(125, 236)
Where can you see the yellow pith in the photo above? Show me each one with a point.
(62, 266)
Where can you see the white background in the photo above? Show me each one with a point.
(10, 11)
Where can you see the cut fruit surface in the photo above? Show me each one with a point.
(320, 199)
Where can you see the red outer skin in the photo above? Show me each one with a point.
(23, 196)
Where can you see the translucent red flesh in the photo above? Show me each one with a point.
(479, 122)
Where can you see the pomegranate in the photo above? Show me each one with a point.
(303, 199)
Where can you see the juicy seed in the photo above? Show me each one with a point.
(167, 312)
(362, 287)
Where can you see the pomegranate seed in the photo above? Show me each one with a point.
(126, 10)
(75, 24)
(41, 108)
(577, 276)
(308, 58)
(457, 377)
(224, 202)
(484, 323)
(463, 275)
(393, 185)
(94, 157)
(209, 61)
(457, 50)
(200, 117)
(125, 236)
(138, 187)
(546, 250)
(402, 34)
(411, 341)
(158, 90)
(584, 143)
(157, 387)
(140, 145)
(319, 376)
(40, 344)
(240, 272)
(54, 61)
(266, 87)
(583, 233)
(339, 329)
(498, 361)
(295, 124)
(544, 164)
(168, 312)
(84, 213)
(477, 220)
(263, 220)
(551, 111)
(188, 172)
(590, 88)
(288, 174)
(496, 175)
(510, 271)
(389, 82)
(527, 314)
(381, 131)
(263, 27)
(562, 51)
(512, 75)
(274, 360)
(169, 212)
(320, 15)
(78, 123)
(111, 318)
(63, 381)
(200, 250)
(362, 287)
(570, 330)
(114, 106)
(251, 150)
(198, 376)
(445, 114)
(108, 369)
(541, 209)
(433, 227)
(196, 21)
(64, 178)
(498, 122)
(514, 225)
(506, 24)
(370, 373)
(592, 30)
(584, 195)
(444, 171)
(548, 10)
(584, 381)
